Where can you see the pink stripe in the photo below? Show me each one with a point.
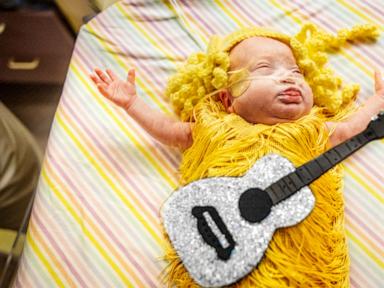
(107, 154)
(354, 203)
(96, 190)
(150, 216)
(204, 8)
(356, 276)
(159, 30)
(88, 269)
(353, 283)
(369, 167)
(197, 16)
(44, 231)
(374, 7)
(124, 46)
(103, 226)
(26, 271)
(86, 182)
(363, 271)
(364, 8)
(367, 229)
(245, 10)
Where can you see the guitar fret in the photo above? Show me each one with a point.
(296, 180)
(283, 188)
(271, 190)
(280, 190)
(304, 174)
(332, 156)
(343, 151)
(324, 162)
(290, 184)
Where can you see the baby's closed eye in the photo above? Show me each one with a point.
(263, 68)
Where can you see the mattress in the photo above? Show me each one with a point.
(95, 220)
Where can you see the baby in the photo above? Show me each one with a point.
(266, 104)
(280, 94)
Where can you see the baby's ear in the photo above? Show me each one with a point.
(226, 100)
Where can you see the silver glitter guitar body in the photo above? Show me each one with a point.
(221, 226)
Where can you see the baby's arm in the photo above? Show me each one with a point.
(360, 120)
(123, 93)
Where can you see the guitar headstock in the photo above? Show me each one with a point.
(377, 125)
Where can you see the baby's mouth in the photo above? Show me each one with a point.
(290, 95)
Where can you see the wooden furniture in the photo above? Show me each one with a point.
(35, 47)
(77, 12)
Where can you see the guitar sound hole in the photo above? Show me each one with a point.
(254, 205)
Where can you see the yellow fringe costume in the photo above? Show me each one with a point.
(314, 252)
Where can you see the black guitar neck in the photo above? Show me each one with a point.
(309, 172)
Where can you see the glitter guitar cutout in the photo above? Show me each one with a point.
(221, 226)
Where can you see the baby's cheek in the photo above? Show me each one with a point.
(308, 95)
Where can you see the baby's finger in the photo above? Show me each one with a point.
(102, 76)
(103, 89)
(95, 79)
(111, 74)
(379, 83)
(131, 76)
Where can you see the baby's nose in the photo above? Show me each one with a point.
(288, 79)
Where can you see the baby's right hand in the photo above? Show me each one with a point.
(120, 92)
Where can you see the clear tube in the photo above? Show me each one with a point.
(299, 78)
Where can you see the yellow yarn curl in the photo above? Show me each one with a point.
(205, 73)
(310, 46)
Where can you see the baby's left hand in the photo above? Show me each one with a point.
(358, 121)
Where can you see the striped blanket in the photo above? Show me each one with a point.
(95, 220)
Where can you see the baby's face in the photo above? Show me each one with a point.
(279, 93)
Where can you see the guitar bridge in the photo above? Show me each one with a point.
(214, 231)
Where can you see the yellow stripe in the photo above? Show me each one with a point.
(367, 239)
(365, 249)
(110, 182)
(238, 15)
(357, 12)
(358, 179)
(44, 260)
(343, 53)
(287, 12)
(364, 173)
(144, 32)
(123, 128)
(86, 219)
(229, 13)
(184, 19)
(85, 230)
(106, 167)
(50, 254)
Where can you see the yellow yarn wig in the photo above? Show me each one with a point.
(314, 252)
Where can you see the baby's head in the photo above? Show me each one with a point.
(265, 76)
(275, 89)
